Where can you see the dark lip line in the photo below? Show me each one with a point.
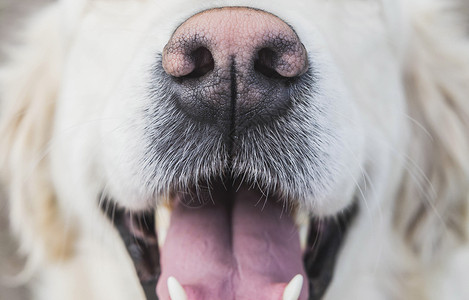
(144, 249)
(325, 238)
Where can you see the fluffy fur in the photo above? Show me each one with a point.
(382, 120)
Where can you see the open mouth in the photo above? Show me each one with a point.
(230, 241)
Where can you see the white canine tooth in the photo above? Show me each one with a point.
(303, 232)
(163, 217)
(302, 223)
(293, 289)
(176, 291)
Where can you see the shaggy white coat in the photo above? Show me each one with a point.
(397, 76)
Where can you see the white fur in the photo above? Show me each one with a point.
(393, 88)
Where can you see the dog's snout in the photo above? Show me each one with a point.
(234, 63)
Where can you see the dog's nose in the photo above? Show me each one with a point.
(234, 66)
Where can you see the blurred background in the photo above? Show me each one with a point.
(12, 16)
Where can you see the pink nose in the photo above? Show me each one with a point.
(253, 38)
(234, 63)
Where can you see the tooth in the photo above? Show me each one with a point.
(302, 221)
(163, 216)
(176, 291)
(303, 232)
(293, 289)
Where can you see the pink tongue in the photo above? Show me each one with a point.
(248, 252)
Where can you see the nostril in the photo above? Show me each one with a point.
(264, 63)
(203, 62)
(233, 68)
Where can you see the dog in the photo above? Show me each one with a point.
(240, 149)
